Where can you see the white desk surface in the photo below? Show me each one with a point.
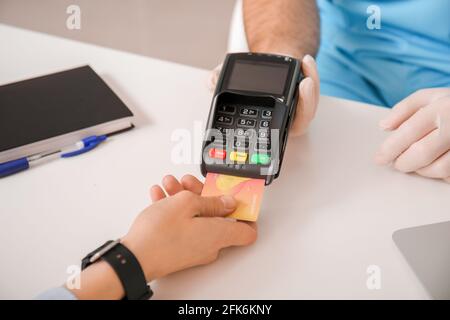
(328, 217)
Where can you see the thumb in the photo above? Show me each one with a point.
(216, 206)
(306, 108)
(213, 77)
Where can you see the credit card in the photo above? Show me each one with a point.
(248, 192)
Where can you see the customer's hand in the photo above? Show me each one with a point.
(184, 229)
(309, 95)
(179, 230)
(420, 141)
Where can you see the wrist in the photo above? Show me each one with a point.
(99, 281)
(112, 271)
(148, 267)
(276, 47)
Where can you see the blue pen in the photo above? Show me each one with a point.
(83, 146)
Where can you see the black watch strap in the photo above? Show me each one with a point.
(126, 266)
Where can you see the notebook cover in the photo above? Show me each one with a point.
(56, 104)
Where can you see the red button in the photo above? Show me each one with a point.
(217, 153)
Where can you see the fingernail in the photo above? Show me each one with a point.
(308, 59)
(310, 88)
(307, 84)
(229, 203)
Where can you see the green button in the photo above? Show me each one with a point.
(260, 159)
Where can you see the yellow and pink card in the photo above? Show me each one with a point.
(248, 192)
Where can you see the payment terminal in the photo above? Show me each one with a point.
(252, 110)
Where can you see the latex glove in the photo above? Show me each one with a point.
(420, 141)
(309, 90)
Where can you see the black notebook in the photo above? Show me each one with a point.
(56, 110)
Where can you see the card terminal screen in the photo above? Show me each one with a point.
(267, 77)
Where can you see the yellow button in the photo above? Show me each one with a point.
(238, 156)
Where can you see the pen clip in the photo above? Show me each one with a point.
(89, 143)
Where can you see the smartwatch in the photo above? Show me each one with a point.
(125, 265)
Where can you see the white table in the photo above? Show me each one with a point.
(328, 217)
